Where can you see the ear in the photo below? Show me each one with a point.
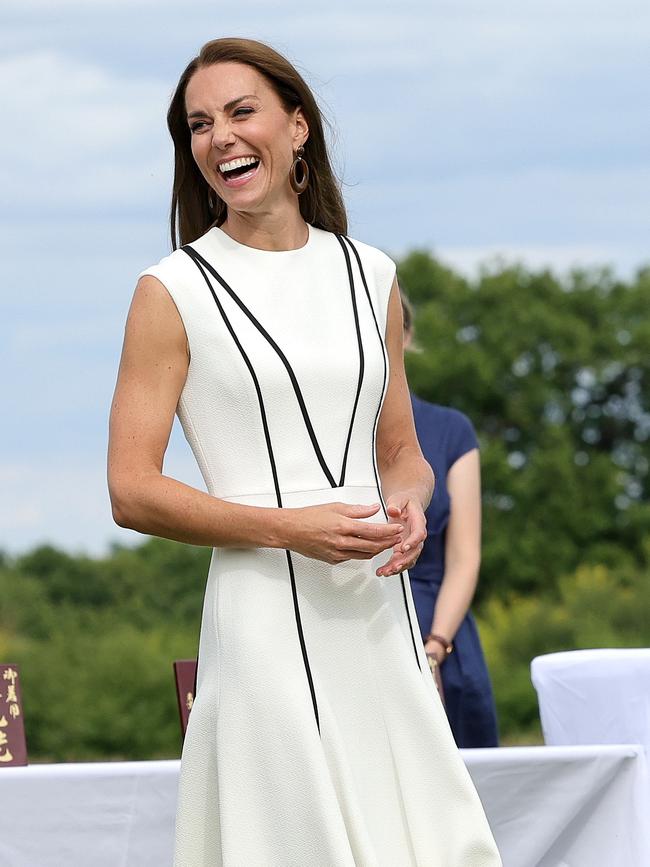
(301, 128)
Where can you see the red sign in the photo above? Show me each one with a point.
(185, 674)
(13, 747)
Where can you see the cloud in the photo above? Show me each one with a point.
(81, 136)
(560, 258)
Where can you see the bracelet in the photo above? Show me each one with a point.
(448, 645)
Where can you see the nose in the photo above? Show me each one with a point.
(222, 134)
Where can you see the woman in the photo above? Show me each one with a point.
(444, 579)
(316, 736)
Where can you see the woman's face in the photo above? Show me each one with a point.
(243, 140)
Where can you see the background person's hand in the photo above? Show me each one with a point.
(434, 665)
(336, 532)
(406, 509)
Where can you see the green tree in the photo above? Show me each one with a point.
(554, 374)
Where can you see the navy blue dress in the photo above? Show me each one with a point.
(445, 435)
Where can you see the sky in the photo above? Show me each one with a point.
(476, 130)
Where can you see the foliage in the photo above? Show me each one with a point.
(554, 375)
(593, 607)
(95, 641)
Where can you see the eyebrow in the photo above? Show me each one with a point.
(227, 106)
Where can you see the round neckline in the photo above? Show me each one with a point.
(231, 243)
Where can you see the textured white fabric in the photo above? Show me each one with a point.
(378, 782)
(599, 696)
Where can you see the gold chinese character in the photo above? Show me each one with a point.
(189, 701)
(3, 720)
(14, 710)
(11, 693)
(4, 757)
(10, 674)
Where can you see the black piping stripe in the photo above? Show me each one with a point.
(301, 637)
(374, 462)
(362, 362)
(191, 252)
(296, 387)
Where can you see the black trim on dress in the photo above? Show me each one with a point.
(196, 258)
(374, 462)
(292, 376)
(362, 362)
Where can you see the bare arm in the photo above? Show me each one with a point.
(406, 477)
(152, 373)
(462, 549)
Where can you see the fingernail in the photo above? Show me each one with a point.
(407, 547)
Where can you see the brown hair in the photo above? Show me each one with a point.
(408, 321)
(407, 312)
(321, 204)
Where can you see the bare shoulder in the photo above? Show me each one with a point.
(154, 320)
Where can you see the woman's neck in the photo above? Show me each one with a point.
(282, 231)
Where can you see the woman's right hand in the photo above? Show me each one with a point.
(336, 532)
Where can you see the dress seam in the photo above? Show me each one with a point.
(287, 491)
(197, 439)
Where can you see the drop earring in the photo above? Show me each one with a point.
(299, 172)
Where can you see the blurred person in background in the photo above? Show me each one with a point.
(444, 579)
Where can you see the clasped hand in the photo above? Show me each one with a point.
(336, 532)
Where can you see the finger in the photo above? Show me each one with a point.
(398, 563)
(352, 543)
(412, 541)
(358, 510)
(389, 567)
(412, 555)
(365, 530)
(417, 529)
(356, 554)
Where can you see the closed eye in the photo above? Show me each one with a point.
(194, 127)
(242, 111)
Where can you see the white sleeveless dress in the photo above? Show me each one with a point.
(317, 737)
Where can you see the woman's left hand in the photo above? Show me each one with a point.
(405, 509)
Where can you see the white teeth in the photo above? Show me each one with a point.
(235, 164)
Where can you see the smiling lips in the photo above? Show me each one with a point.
(238, 171)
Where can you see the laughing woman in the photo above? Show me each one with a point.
(317, 736)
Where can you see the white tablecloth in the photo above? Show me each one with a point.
(594, 696)
(566, 806)
(548, 807)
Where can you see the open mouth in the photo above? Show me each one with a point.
(238, 171)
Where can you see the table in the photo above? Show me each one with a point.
(548, 807)
(597, 696)
(585, 806)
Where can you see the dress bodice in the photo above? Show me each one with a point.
(262, 327)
